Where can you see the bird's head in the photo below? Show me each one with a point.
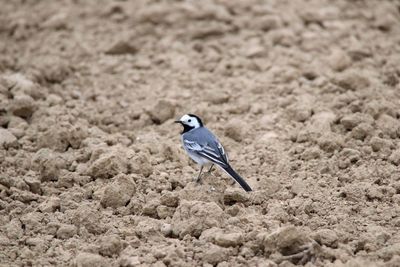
(190, 122)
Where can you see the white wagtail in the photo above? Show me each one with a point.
(204, 148)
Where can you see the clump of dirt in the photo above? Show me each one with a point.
(304, 97)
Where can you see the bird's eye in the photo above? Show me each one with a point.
(189, 120)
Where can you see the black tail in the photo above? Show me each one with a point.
(237, 178)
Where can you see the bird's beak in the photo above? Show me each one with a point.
(177, 121)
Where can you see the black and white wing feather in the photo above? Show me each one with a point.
(203, 144)
(212, 151)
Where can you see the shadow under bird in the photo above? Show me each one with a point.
(204, 148)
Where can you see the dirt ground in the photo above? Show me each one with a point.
(304, 95)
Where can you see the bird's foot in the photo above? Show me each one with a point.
(197, 179)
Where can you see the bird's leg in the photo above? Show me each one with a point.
(197, 179)
(210, 169)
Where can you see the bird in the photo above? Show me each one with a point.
(203, 147)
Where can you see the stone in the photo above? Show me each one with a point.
(395, 157)
(84, 259)
(108, 164)
(378, 143)
(339, 60)
(7, 139)
(50, 205)
(193, 217)
(235, 129)
(66, 231)
(122, 47)
(119, 192)
(164, 211)
(169, 199)
(353, 80)
(361, 131)
(215, 254)
(229, 239)
(388, 125)
(23, 106)
(288, 238)
(48, 163)
(166, 229)
(352, 120)
(13, 229)
(162, 111)
(110, 245)
(234, 195)
(326, 237)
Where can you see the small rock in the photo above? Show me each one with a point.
(361, 131)
(217, 97)
(389, 251)
(234, 195)
(374, 192)
(51, 68)
(193, 217)
(395, 157)
(298, 186)
(7, 139)
(352, 120)
(58, 21)
(23, 196)
(378, 143)
(215, 254)
(162, 111)
(53, 99)
(119, 192)
(229, 240)
(62, 135)
(330, 142)
(13, 229)
(35, 241)
(164, 211)
(235, 129)
(48, 163)
(326, 237)
(311, 153)
(23, 106)
(389, 125)
(122, 47)
(150, 207)
(287, 238)
(166, 229)
(108, 164)
(385, 22)
(267, 23)
(129, 261)
(254, 51)
(300, 112)
(17, 126)
(339, 60)
(85, 259)
(110, 245)
(21, 85)
(87, 217)
(50, 205)
(169, 199)
(66, 231)
(353, 80)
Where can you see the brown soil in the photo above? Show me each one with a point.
(304, 95)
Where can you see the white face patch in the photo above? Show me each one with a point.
(190, 121)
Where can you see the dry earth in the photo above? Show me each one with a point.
(304, 95)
